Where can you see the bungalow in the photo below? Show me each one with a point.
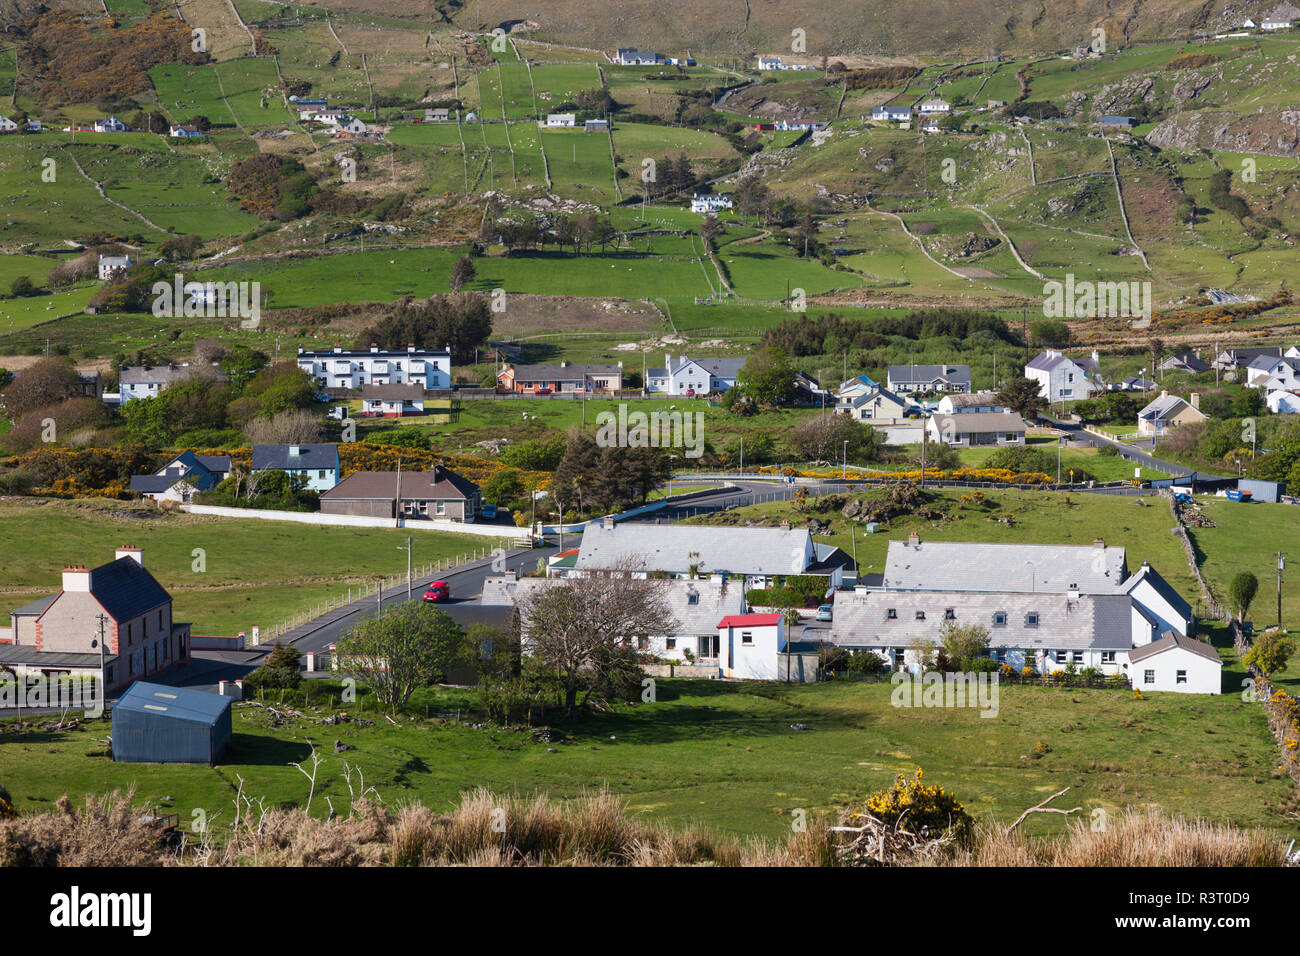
(120, 604)
(7, 125)
(977, 428)
(110, 125)
(437, 115)
(634, 57)
(1185, 362)
(149, 381)
(562, 379)
(928, 378)
(34, 126)
(891, 114)
(561, 119)
(1275, 25)
(935, 107)
(392, 401)
(595, 125)
(352, 125)
(694, 376)
(1176, 663)
(315, 465)
(182, 477)
(1117, 122)
(760, 555)
(710, 202)
(436, 494)
(185, 132)
(681, 61)
(332, 116)
(770, 63)
(1059, 378)
(969, 402)
(995, 104)
(929, 124)
(1168, 411)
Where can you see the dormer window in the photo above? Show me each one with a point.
(999, 618)
(692, 598)
(1031, 619)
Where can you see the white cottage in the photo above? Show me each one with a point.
(1176, 663)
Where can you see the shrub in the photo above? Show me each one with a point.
(279, 671)
(921, 809)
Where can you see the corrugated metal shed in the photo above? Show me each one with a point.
(153, 723)
(1262, 490)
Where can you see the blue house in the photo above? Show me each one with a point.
(316, 465)
(155, 723)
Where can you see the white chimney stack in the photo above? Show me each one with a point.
(130, 551)
(76, 578)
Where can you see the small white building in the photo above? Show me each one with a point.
(1176, 663)
(710, 202)
(749, 645)
(770, 63)
(110, 125)
(561, 119)
(352, 125)
(184, 132)
(108, 265)
(1275, 25)
(935, 107)
(1059, 378)
(977, 429)
(7, 125)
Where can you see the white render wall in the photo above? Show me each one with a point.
(1203, 676)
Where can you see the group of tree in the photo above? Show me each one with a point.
(579, 233)
(831, 333)
(595, 478)
(461, 320)
(836, 438)
(1023, 395)
(272, 187)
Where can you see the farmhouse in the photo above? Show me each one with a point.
(110, 265)
(392, 401)
(1185, 362)
(180, 478)
(710, 202)
(561, 119)
(437, 493)
(7, 125)
(760, 555)
(1117, 122)
(935, 107)
(342, 368)
(316, 466)
(1059, 378)
(562, 379)
(891, 114)
(1166, 412)
(185, 132)
(634, 57)
(770, 63)
(110, 125)
(928, 378)
(977, 428)
(352, 125)
(1177, 663)
(1275, 25)
(119, 603)
(693, 376)
(437, 115)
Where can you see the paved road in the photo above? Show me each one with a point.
(1129, 450)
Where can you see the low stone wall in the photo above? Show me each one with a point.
(708, 671)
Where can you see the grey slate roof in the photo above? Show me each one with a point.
(1162, 587)
(277, 457)
(35, 607)
(712, 602)
(1187, 360)
(717, 367)
(1047, 361)
(976, 566)
(392, 393)
(972, 399)
(1170, 641)
(966, 422)
(924, 374)
(1162, 407)
(669, 548)
(28, 654)
(1100, 622)
(436, 484)
(167, 374)
(126, 589)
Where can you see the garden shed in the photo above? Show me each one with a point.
(154, 723)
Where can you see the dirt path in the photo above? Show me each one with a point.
(1010, 245)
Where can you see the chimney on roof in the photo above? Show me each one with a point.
(607, 522)
(76, 578)
(130, 551)
(374, 347)
(295, 451)
(1196, 400)
(337, 348)
(785, 524)
(1099, 543)
(914, 540)
(410, 346)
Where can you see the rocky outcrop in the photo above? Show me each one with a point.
(1273, 134)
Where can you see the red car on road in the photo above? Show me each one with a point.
(438, 591)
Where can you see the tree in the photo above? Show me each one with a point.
(1242, 592)
(1156, 348)
(1022, 395)
(463, 321)
(823, 439)
(462, 271)
(22, 287)
(43, 383)
(585, 627)
(294, 426)
(964, 643)
(1049, 333)
(768, 378)
(710, 228)
(279, 670)
(1269, 652)
(411, 646)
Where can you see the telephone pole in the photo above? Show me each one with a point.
(1281, 564)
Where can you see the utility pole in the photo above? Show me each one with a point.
(1281, 564)
(379, 595)
(844, 475)
(407, 549)
(103, 668)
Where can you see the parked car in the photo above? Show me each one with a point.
(438, 592)
(323, 397)
(489, 512)
(825, 612)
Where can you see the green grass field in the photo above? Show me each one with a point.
(256, 572)
(724, 756)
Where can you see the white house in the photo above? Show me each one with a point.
(749, 646)
(1059, 378)
(181, 477)
(149, 381)
(977, 428)
(710, 202)
(1176, 663)
(1283, 401)
(770, 63)
(969, 402)
(1275, 25)
(1168, 608)
(110, 125)
(184, 132)
(633, 57)
(935, 107)
(108, 265)
(1265, 370)
(392, 401)
(928, 378)
(561, 119)
(34, 126)
(344, 368)
(693, 376)
(7, 125)
(891, 114)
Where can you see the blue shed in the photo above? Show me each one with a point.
(153, 723)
